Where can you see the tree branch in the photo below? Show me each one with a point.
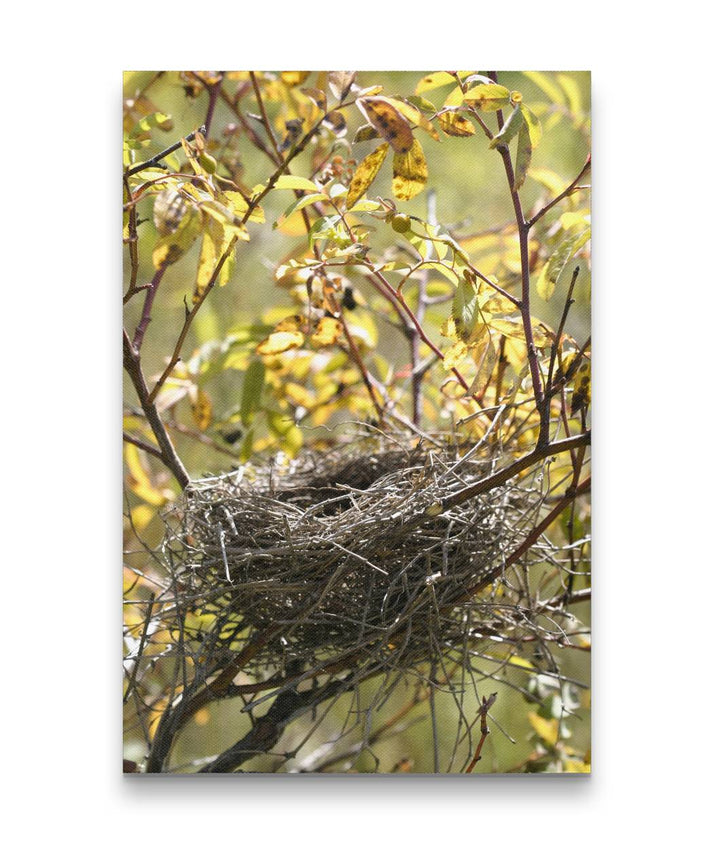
(131, 362)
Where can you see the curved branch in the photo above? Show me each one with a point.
(131, 362)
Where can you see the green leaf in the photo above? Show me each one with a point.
(465, 309)
(512, 126)
(253, 384)
(523, 157)
(550, 273)
(303, 202)
(533, 125)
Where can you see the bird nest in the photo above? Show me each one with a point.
(346, 557)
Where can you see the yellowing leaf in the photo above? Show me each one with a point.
(581, 388)
(327, 332)
(552, 269)
(139, 481)
(487, 356)
(576, 765)
(534, 128)
(173, 246)
(523, 157)
(456, 125)
(433, 81)
(455, 98)
(294, 78)
(547, 729)
(240, 206)
(465, 309)
(209, 255)
(554, 183)
(365, 174)
(201, 407)
(488, 97)
(413, 115)
(299, 395)
(571, 220)
(454, 356)
(513, 328)
(522, 662)
(295, 182)
(277, 343)
(388, 122)
(410, 172)
(289, 324)
(512, 126)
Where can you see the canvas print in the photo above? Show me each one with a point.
(356, 422)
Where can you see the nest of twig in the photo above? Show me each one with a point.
(347, 555)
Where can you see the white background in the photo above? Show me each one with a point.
(654, 448)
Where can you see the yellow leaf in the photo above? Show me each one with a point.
(410, 172)
(240, 206)
(454, 355)
(142, 515)
(456, 125)
(209, 255)
(412, 114)
(327, 332)
(455, 98)
(139, 479)
(294, 78)
(547, 729)
(365, 174)
(533, 125)
(581, 389)
(522, 662)
(488, 97)
(277, 343)
(201, 407)
(388, 122)
(290, 324)
(433, 81)
(575, 765)
(300, 396)
(288, 182)
(173, 246)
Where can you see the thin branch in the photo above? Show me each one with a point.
(147, 306)
(266, 122)
(142, 444)
(155, 161)
(554, 352)
(538, 530)
(504, 475)
(568, 190)
(131, 362)
(523, 230)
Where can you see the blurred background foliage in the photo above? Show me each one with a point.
(470, 187)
